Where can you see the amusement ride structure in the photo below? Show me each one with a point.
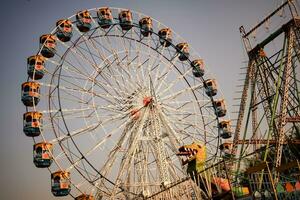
(114, 99)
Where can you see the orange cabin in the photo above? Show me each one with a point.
(84, 21)
(225, 129)
(125, 20)
(64, 30)
(35, 67)
(48, 44)
(146, 26)
(165, 37)
(85, 197)
(42, 154)
(105, 18)
(32, 123)
(198, 67)
(210, 86)
(220, 107)
(183, 50)
(226, 149)
(30, 93)
(60, 183)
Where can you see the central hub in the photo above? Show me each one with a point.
(147, 100)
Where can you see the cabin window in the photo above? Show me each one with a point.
(39, 151)
(26, 88)
(56, 180)
(28, 118)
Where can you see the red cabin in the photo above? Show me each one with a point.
(48, 44)
(60, 183)
(165, 37)
(183, 50)
(42, 154)
(125, 19)
(105, 18)
(146, 26)
(32, 123)
(30, 93)
(64, 30)
(35, 67)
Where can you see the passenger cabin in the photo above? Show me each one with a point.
(125, 19)
(85, 197)
(183, 50)
(146, 26)
(32, 123)
(30, 93)
(48, 44)
(84, 21)
(42, 154)
(35, 67)
(198, 67)
(60, 183)
(220, 108)
(105, 18)
(225, 129)
(226, 149)
(64, 30)
(210, 86)
(165, 37)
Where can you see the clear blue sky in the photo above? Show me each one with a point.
(210, 27)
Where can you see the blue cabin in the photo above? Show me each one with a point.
(105, 18)
(35, 67)
(84, 21)
(60, 183)
(85, 197)
(225, 129)
(183, 50)
(42, 154)
(165, 37)
(198, 67)
(32, 123)
(64, 30)
(146, 26)
(125, 20)
(220, 108)
(210, 86)
(48, 45)
(30, 93)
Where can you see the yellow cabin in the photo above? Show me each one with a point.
(146, 26)
(125, 20)
(84, 21)
(198, 67)
(220, 107)
(183, 50)
(60, 183)
(85, 197)
(36, 67)
(165, 37)
(48, 45)
(32, 123)
(42, 154)
(30, 93)
(210, 86)
(64, 30)
(105, 18)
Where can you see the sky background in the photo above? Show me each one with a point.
(211, 27)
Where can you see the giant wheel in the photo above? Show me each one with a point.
(110, 97)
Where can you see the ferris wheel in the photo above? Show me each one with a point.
(110, 97)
